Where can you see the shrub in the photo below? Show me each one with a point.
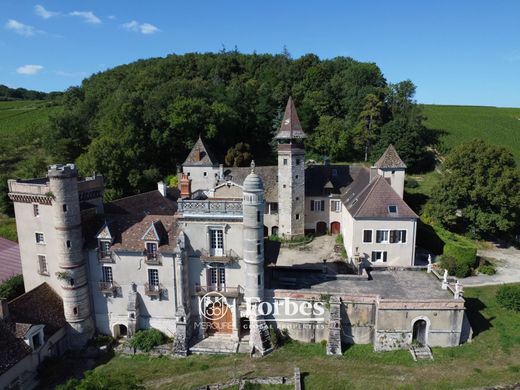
(463, 253)
(508, 296)
(455, 267)
(411, 183)
(12, 288)
(145, 340)
(487, 269)
(278, 338)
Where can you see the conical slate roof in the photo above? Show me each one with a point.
(390, 159)
(200, 155)
(290, 127)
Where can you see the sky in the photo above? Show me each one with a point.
(456, 52)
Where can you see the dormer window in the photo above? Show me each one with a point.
(151, 249)
(392, 209)
(104, 248)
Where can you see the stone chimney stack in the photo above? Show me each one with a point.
(4, 309)
(185, 186)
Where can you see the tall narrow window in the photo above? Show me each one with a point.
(153, 277)
(258, 216)
(36, 209)
(68, 244)
(284, 161)
(107, 274)
(151, 249)
(217, 242)
(258, 248)
(367, 236)
(42, 265)
(259, 279)
(64, 208)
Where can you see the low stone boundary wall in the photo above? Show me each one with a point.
(272, 380)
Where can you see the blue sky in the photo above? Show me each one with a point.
(456, 52)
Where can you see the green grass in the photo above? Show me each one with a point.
(492, 358)
(495, 125)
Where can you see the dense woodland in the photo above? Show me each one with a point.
(7, 93)
(135, 123)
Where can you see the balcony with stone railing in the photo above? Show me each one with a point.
(226, 256)
(152, 258)
(108, 287)
(153, 290)
(221, 208)
(226, 291)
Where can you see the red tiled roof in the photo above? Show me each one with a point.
(10, 261)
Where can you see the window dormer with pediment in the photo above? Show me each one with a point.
(105, 241)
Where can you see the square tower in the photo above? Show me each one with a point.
(291, 174)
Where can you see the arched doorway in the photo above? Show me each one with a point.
(274, 230)
(419, 332)
(219, 318)
(321, 228)
(120, 330)
(335, 227)
(244, 326)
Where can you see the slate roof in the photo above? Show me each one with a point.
(322, 180)
(10, 261)
(290, 127)
(12, 349)
(268, 174)
(41, 305)
(374, 201)
(146, 203)
(390, 159)
(206, 159)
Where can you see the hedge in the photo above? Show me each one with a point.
(145, 340)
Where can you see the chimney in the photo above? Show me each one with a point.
(185, 186)
(162, 188)
(373, 173)
(221, 171)
(4, 309)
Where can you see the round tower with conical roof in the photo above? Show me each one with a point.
(253, 235)
(63, 184)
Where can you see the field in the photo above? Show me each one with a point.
(22, 126)
(495, 125)
(492, 358)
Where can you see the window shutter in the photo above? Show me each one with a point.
(384, 256)
(322, 205)
(373, 256)
(392, 236)
(312, 205)
(378, 236)
(403, 236)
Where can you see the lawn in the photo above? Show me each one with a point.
(495, 125)
(492, 358)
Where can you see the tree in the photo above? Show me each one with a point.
(330, 138)
(12, 287)
(238, 155)
(369, 124)
(479, 191)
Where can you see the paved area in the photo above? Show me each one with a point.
(310, 255)
(402, 284)
(507, 262)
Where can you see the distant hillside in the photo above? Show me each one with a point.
(495, 125)
(7, 93)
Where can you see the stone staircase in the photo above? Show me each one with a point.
(215, 345)
(264, 337)
(421, 353)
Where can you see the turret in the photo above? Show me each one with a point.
(63, 185)
(391, 167)
(253, 235)
(291, 174)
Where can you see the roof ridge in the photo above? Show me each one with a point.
(370, 183)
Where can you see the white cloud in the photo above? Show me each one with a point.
(42, 12)
(143, 28)
(112, 17)
(88, 16)
(29, 69)
(20, 28)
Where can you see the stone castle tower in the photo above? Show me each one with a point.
(291, 174)
(63, 184)
(253, 235)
